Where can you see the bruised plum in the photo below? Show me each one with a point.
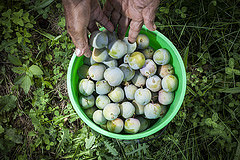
(131, 125)
(136, 60)
(115, 125)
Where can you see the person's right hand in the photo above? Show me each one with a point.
(131, 12)
(81, 16)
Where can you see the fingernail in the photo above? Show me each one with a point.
(78, 52)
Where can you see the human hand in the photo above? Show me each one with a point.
(133, 12)
(81, 16)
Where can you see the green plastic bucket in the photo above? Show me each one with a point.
(157, 40)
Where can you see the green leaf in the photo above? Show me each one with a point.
(49, 36)
(36, 70)
(7, 102)
(230, 90)
(89, 142)
(215, 117)
(184, 9)
(20, 37)
(11, 134)
(29, 25)
(185, 59)
(1, 129)
(18, 21)
(19, 79)
(237, 72)
(111, 148)
(8, 43)
(48, 84)
(25, 17)
(228, 70)
(14, 60)
(19, 70)
(31, 134)
(231, 62)
(43, 4)
(20, 13)
(7, 13)
(26, 84)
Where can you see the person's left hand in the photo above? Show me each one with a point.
(81, 16)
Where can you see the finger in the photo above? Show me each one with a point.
(108, 8)
(115, 18)
(149, 15)
(104, 21)
(123, 26)
(135, 27)
(81, 43)
(92, 26)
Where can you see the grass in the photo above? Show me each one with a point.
(37, 120)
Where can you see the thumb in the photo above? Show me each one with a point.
(81, 43)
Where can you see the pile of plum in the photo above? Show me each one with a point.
(124, 86)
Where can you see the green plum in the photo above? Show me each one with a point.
(125, 58)
(129, 91)
(89, 112)
(138, 79)
(112, 36)
(148, 52)
(136, 60)
(116, 95)
(99, 55)
(131, 125)
(114, 76)
(92, 62)
(139, 109)
(102, 87)
(143, 96)
(131, 47)
(83, 71)
(127, 109)
(117, 49)
(142, 41)
(165, 70)
(165, 98)
(86, 61)
(115, 125)
(98, 117)
(169, 83)
(96, 71)
(86, 87)
(149, 68)
(152, 110)
(127, 71)
(110, 62)
(161, 56)
(111, 111)
(98, 39)
(144, 123)
(163, 111)
(86, 101)
(102, 101)
(153, 83)
(103, 126)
